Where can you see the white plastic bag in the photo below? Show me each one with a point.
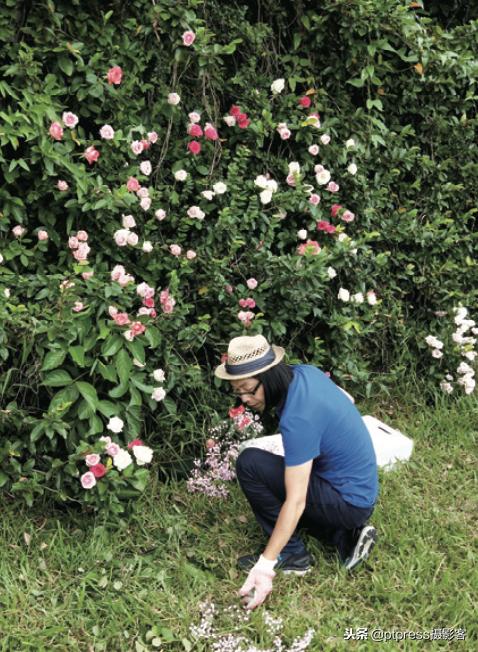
(390, 445)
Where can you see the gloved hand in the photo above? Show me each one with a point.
(258, 583)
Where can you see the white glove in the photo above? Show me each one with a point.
(258, 582)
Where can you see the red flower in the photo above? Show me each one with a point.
(210, 132)
(194, 147)
(235, 110)
(335, 209)
(305, 101)
(98, 470)
(146, 145)
(195, 131)
(135, 442)
(236, 412)
(114, 75)
(148, 302)
(243, 124)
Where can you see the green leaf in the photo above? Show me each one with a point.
(111, 345)
(170, 405)
(136, 349)
(123, 365)
(153, 336)
(118, 392)
(57, 378)
(53, 359)
(96, 425)
(107, 408)
(89, 394)
(63, 399)
(77, 354)
(66, 65)
(3, 479)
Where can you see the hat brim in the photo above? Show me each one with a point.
(220, 371)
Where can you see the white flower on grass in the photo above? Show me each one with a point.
(325, 139)
(180, 175)
(470, 355)
(352, 169)
(460, 313)
(208, 194)
(122, 460)
(266, 196)
(464, 368)
(350, 143)
(147, 247)
(158, 394)
(261, 181)
(159, 375)
(446, 387)
(143, 454)
(278, 86)
(219, 188)
(343, 295)
(371, 298)
(358, 298)
(331, 272)
(436, 353)
(302, 234)
(115, 424)
(434, 342)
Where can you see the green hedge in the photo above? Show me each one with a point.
(397, 79)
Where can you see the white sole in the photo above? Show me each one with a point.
(363, 547)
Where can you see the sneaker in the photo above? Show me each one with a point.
(362, 548)
(289, 564)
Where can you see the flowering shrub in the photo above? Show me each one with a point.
(165, 192)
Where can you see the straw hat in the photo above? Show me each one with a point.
(248, 356)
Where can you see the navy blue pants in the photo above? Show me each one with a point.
(327, 515)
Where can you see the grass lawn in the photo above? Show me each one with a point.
(69, 582)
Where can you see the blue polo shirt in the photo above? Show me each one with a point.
(318, 422)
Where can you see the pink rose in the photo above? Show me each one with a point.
(99, 470)
(243, 121)
(145, 291)
(82, 236)
(86, 276)
(112, 449)
(137, 328)
(175, 249)
(335, 209)
(194, 117)
(148, 302)
(73, 242)
(107, 132)
(152, 137)
(121, 318)
(333, 187)
(133, 185)
(121, 237)
(78, 307)
(143, 192)
(69, 119)
(81, 253)
(195, 130)
(117, 271)
(190, 254)
(323, 225)
(314, 150)
(251, 283)
(62, 185)
(91, 154)
(284, 134)
(128, 222)
(194, 147)
(124, 279)
(210, 132)
(18, 231)
(92, 459)
(42, 235)
(188, 38)
(305, 101)
(291, 179)
(56, 131)
(137, 147)
(133, 239)
(146, 144)
(348, 216)
(114, 75)
(145, 203)
(173, 99)
(310, 247)
(167, 307)
(88, 480)
(314, 199)
(325, 139)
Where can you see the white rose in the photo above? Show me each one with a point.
(173, 99)
(272, 185)
(266, 196)
(278, 86)
(323, 177)
(357, 298)
(470, 355)
(343, 295)
(352, 169)
(331, 272)
(7, 293)
(122, 460)
(143, 454)
(261, 181)
(219, 188)
(128, 222)
(302, 234)
(159, 375)
(294, 167)
(133, 239)
(325, 139)
(1, 259)
(145, 203)
(446, 387)
(230, 120)
(196, 212)
(343, 237)
(350, 143)
(181, 175)
(208, 194)
(146, 168)
(371, 298)
(115, 424)
(160, 214)
(128, 335)
(121, 237)
(158, 394)
(147, 247)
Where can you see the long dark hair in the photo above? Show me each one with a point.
(275, 382)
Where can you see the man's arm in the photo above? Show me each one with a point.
(296, 484)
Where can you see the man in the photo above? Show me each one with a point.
(327, 478)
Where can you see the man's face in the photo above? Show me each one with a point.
(251, 393)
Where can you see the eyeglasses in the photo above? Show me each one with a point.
(251, 392)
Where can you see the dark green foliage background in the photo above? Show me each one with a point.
(399, 78)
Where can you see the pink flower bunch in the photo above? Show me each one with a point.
(188, 38)
(166, 301)
(237, 117)
(246, 317)
(79, 247)
(324, 225)
(343, 213)
(283, 131)
(195, 130)
(119, 275)
(91, 154)
(118, 457)
(114, 75)
(247, 303)
(120, 318)
(310, 248)
(136, 328)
